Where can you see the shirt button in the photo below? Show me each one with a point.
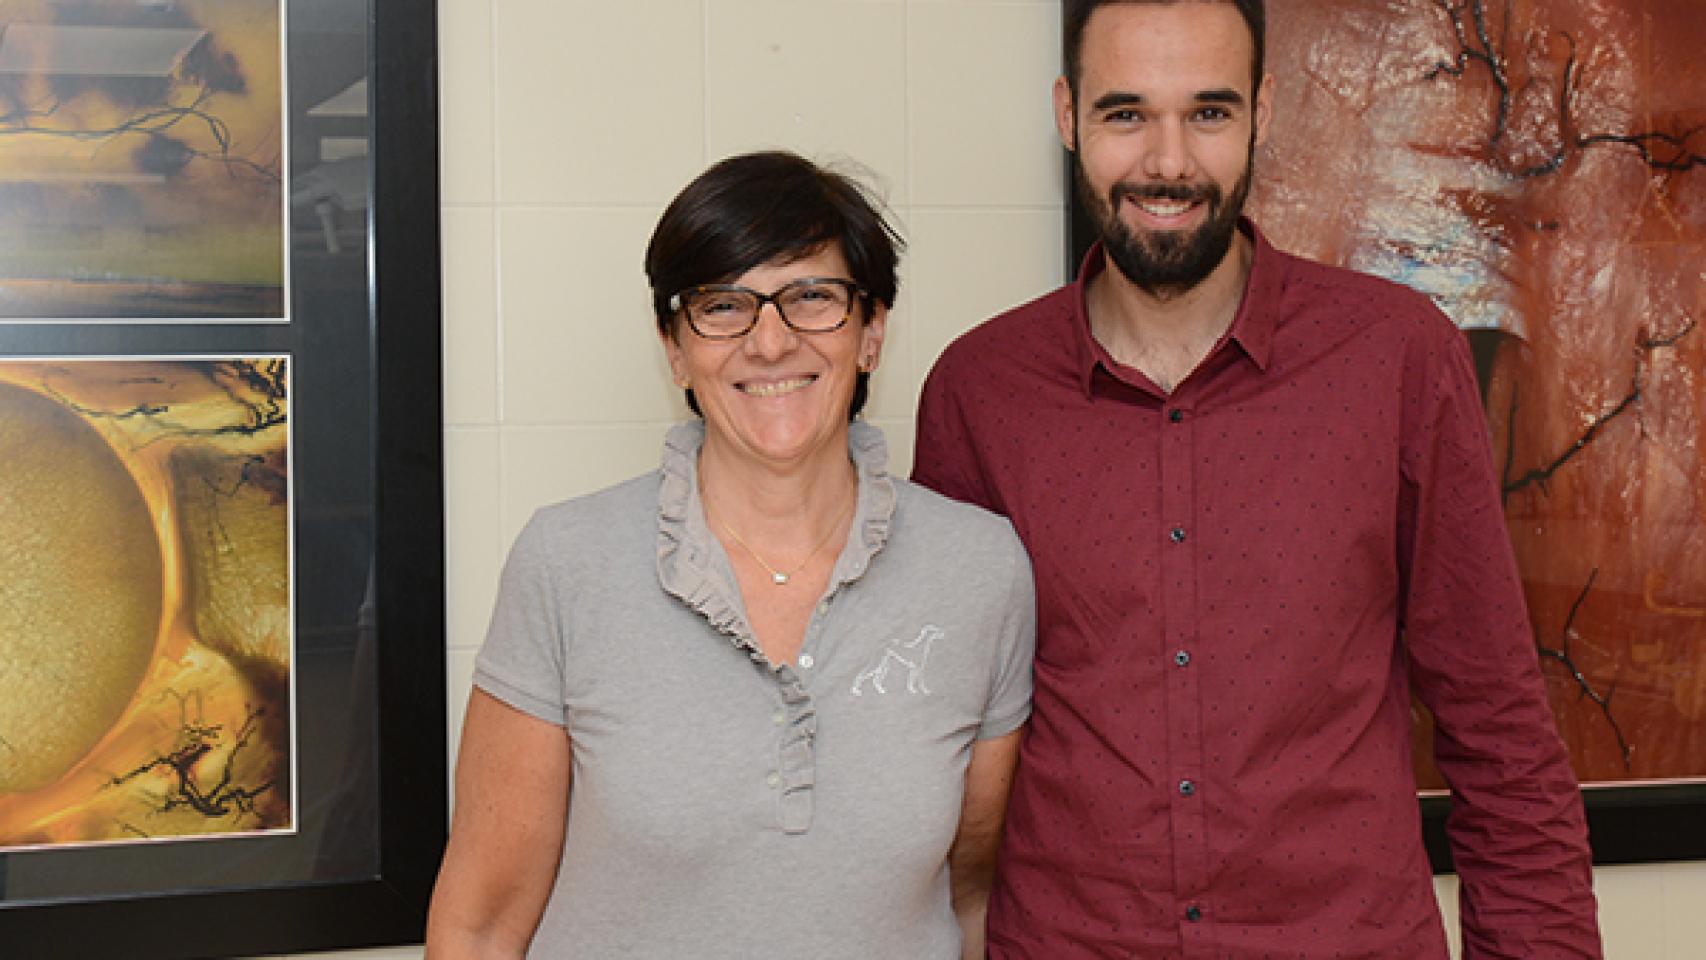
(1186, 788)
(1193, 913)
(1175, 415)
(1182, 658)
(778, 718)
(775, 779)
(806, 661)
(1178, 535)
(823, 607)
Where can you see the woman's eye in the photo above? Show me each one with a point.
(717, 305)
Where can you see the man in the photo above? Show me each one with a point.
(1259, 500)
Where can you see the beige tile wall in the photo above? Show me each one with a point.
(567, 124)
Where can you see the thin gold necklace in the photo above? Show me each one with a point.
(779, 577)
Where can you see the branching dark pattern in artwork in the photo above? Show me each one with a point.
(1662, 151)
(1477, 50)
(1538, 476)
(1561, 654)
(256, 387)
(196, 740)
(207, 73)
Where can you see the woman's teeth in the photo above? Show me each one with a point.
(775, 388)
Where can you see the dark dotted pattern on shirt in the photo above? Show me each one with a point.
(1289, 493)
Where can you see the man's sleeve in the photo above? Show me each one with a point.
(1516, 825)
(945, 454)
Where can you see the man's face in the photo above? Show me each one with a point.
(1164, 130)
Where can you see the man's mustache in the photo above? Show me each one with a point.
(1178, 192)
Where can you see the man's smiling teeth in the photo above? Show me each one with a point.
(1164, 208)
(775, 388)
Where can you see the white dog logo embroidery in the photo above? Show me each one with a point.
(911, 654)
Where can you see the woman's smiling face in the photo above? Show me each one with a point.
(777, 395)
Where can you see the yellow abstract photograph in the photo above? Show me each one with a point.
(145, 600)
(142, 158)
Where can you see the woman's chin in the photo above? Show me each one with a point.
(788, 441)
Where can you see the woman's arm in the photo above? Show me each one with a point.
(506, 836)
(971, 860)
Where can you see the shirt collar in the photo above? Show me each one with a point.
(1252, 327)
(691, 563)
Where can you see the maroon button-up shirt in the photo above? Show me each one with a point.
(1238, 587)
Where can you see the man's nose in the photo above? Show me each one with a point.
(1169, 156)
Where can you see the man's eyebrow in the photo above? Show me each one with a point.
(1225, 95)
(1121, 98)
(1117, 98)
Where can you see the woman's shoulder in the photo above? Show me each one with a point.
(611, 513)
(951, 521)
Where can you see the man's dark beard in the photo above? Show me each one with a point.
(1168, 263)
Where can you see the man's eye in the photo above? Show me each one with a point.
(1213, 114)
(1122, 116)
(815, 295)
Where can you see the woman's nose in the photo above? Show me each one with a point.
(770, 336)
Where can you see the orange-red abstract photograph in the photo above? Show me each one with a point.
(1539, 168)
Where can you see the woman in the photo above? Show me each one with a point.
(785, 687)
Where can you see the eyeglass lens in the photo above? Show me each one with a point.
(810, 305)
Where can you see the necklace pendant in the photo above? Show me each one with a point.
(780, 579)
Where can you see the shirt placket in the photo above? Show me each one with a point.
(795, 776)
(1180, 664)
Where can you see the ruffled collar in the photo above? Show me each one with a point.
(692, 565)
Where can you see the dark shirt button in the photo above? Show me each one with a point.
(1178, 535)
(1182, 658)
(1175, 415)
(1193, 913)
(1186, 788)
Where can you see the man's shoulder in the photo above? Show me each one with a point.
(1330, 278)
(1020, 330)
(1364, 297)
(1029, 341)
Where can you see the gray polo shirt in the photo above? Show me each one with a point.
(725, 806)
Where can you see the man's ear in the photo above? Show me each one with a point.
(1065, 120)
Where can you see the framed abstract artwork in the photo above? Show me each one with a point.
(1539, 170)
(221, 548)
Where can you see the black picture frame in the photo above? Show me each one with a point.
(1655, 822)
(396, 663)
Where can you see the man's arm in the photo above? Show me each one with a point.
(506, 836)
(944, 456)
(971, 860)
(1516, 827)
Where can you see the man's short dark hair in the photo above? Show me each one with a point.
(1078, 14)
(766, 207)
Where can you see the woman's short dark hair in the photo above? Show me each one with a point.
(760, 208)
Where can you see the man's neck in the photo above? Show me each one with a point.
(1167, 336)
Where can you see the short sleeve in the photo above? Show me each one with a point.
(521, 661)
(1010, 690)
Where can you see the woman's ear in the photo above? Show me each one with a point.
(677, 362)
(871, 344)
